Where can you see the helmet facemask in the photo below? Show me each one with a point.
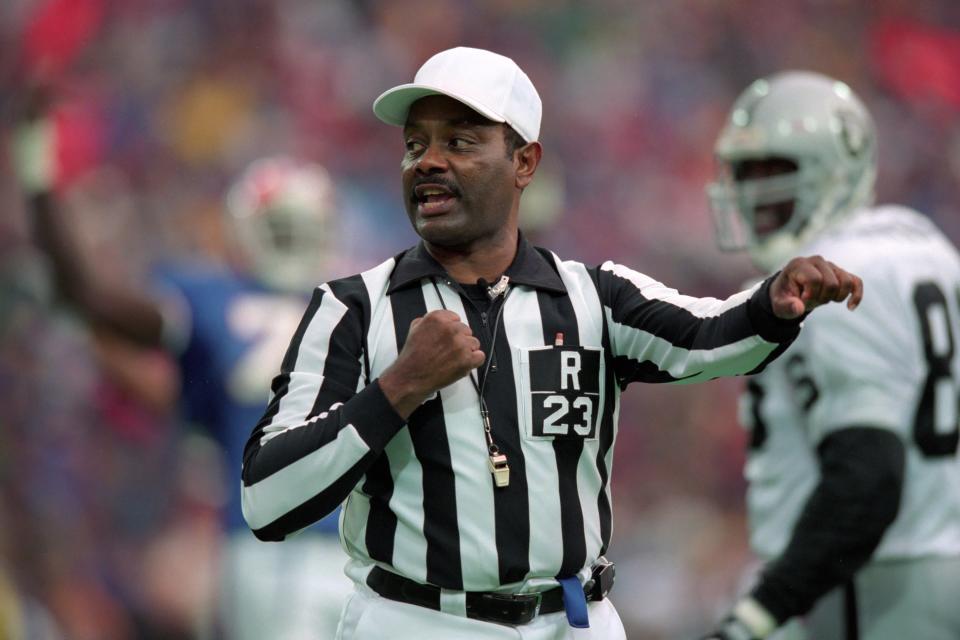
(281, 213)
(796, 156)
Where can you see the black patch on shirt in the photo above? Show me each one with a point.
(565, 392)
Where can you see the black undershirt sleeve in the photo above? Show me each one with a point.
(856, 500)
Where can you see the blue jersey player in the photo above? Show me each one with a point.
(228, 328)
(236, 334)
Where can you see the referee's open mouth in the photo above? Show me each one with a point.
(434, 198)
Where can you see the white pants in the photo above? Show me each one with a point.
(290, 590)
(367, 616)
(894, 600)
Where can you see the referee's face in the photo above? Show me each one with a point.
(459, 182)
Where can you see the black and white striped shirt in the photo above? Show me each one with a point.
(420, 499)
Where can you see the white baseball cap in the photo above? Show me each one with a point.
(489, 83)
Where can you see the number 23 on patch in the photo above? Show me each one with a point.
(564, 391)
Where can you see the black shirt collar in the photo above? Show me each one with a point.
(529, 267)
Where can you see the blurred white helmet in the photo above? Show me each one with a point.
(814, 144)
(281, 211)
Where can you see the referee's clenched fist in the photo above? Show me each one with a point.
(440, 349)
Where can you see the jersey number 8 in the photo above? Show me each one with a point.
(938, 348)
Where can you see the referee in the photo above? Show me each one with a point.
(462, 397)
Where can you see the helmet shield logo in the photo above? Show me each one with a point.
(852, 133)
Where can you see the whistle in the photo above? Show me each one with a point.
(499, 469)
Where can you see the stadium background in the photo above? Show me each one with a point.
(107, 506)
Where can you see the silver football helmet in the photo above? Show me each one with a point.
(281, 212)
(822, 141)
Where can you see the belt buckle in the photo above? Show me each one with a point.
(601, 581)
(509, 608)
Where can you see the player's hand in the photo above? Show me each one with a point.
(807, 283)
(731, 629)
(439, 350)
(748, 620)
(33, 144)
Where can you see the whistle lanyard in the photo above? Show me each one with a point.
(496, 459)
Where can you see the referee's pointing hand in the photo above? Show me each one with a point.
(807, 283)
(439, 350)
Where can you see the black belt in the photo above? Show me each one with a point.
(503, 608)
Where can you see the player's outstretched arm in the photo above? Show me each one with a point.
(806, 283)
(125, 313)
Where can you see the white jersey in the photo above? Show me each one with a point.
(893, 363)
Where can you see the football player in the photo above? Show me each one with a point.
(854, 481)
(228, 328)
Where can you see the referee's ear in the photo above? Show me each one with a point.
(525, 160)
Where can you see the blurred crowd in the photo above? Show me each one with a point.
(108, 526)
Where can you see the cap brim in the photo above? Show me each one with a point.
(394, 104)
